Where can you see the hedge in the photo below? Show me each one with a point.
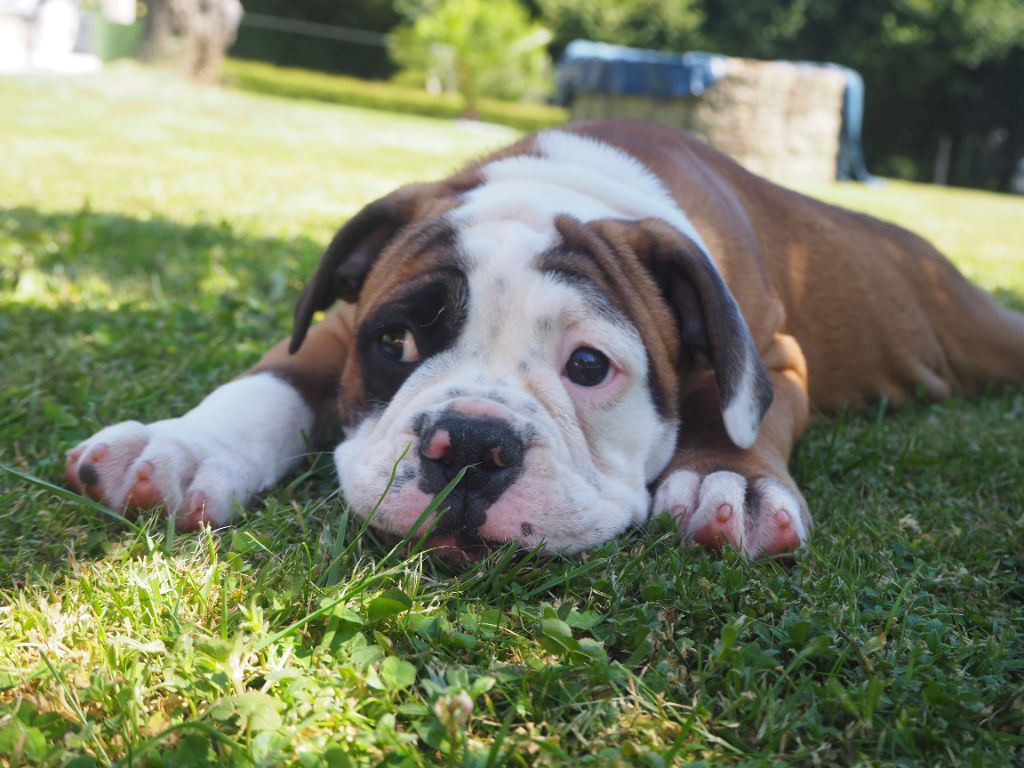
(303, 84)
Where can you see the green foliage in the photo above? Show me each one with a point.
(392, 97)
(672, 25)
(367, 59)
(975, 33)
(135, 281)
(933, 68)
(319, 86)
(478, 48)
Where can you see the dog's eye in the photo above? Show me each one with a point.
(399, 345)
(587, 367)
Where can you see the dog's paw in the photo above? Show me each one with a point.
(169, 464)
(758, 516)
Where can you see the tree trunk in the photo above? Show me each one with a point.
(198, 33)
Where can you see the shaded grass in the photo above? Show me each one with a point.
(150, 249)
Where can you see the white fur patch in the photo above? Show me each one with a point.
(678, 494)
(637, 193)
(578, 176)
(242, 438)
(742, 417)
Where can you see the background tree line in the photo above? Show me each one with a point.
(934, 69)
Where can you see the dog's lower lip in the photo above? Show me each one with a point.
(461, 546)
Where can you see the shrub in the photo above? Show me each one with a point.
(479, 48)
(303, 84)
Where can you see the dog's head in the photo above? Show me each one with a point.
(514, 322)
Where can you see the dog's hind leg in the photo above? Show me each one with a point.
(982, 341)
(242, 438)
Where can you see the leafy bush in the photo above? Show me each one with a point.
(303, 84)
(671, 25)
(478, 48)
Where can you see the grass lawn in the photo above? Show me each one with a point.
(153, 237)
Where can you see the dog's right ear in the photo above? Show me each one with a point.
(353, 251)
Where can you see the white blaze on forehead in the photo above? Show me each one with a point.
(574, 175)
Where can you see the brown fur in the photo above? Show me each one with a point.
(843, 308)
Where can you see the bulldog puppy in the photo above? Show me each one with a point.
(599, 322)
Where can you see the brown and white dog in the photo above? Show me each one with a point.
(592, 314)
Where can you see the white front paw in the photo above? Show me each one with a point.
(759, 517)
(199, 468)
(131, 466)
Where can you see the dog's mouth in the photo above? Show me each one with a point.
(460, 546)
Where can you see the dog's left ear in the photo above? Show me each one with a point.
(353, 251)
(707, 315)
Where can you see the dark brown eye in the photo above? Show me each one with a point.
(587, 367)
(399, 345)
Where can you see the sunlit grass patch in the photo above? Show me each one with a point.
(153, 237)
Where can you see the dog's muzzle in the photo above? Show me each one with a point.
(492, 454)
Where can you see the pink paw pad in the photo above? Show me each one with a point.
(88, 475)
(195, 514)
(719, 529)
(779, 533)
(144, 493)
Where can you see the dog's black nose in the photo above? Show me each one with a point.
(488, 448)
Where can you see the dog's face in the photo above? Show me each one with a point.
(540, 352)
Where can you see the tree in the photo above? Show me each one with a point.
(198, 31)
(671, 25)
(363, 55)
(477, 47)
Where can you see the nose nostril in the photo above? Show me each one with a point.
(492, 459)
(438, 446)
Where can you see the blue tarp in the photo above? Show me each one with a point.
(589, 67)
(850, 164)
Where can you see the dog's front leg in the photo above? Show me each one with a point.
(241, 439)
(721, 494)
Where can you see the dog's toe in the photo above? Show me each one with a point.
(98, 467)
(144, 492)
(777, 526)
(719, 517)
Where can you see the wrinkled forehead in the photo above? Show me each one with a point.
(522, 264)
(498, 275)
(503, 220)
